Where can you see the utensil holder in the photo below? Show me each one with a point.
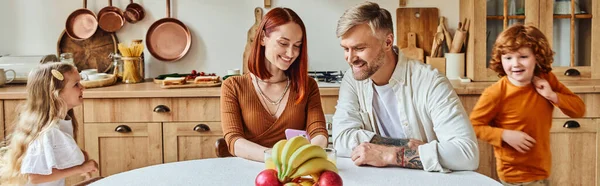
(438, 63)
(455, 65)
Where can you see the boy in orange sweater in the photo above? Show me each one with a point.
(515, 113)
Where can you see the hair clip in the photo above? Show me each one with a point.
(57, 74)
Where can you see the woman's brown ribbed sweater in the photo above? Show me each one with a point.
(243, 116)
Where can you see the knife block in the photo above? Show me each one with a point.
(438, 63)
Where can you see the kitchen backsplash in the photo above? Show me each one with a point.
(218, 28)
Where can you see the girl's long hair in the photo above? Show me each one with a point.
(42, 109)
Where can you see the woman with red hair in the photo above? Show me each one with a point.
(276, 95)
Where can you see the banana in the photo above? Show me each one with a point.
(303, 154)
(290, 147)
(276, 154)
(307, 183)
(312, 166)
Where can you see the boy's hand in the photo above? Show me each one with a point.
(518, 140)
(543, 88)
(88, 166)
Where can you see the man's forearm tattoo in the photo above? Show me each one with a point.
(406, 157)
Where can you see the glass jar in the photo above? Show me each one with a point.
(131, 70)
(67, 57)
(142, 61)
(118, 64)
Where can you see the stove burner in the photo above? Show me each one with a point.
(327, 76)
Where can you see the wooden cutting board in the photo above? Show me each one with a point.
(258, 14)
(422, 21)
(91, 53)
(191, 85)
(412, 51)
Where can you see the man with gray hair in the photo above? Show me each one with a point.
(393, 111)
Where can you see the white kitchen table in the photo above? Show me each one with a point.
(238, 171)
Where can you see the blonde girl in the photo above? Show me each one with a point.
(41, 149)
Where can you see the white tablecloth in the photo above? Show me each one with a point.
(238, 171)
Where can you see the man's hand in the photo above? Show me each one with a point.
(373, 154)
(543, 88)
(382, 152)
(520, 141)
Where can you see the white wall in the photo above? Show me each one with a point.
(219, 28)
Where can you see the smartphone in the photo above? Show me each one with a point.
(290, 133)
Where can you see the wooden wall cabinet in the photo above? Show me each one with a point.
(124, 134)
(573, 35)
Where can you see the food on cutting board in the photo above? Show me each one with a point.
(195, 74)
(173, 81)
(206, 79)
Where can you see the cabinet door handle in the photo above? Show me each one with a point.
(571, 124)
(572, 72)
(123, 129)
(162, 108)
(201, 128)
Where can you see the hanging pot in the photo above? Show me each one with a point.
(81, 24)
(168, 39)
(134, 12)
(111, 18)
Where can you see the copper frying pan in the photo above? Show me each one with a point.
(168, 39)
(81, 24)
(110, 18)
(134, 12)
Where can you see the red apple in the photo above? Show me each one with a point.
(329, 178)
(267, 177)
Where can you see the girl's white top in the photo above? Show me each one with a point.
(53, 148)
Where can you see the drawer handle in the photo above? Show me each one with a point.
(162, 108)
(571, 124)
(201, 128)
(123, 129)
(572, 72)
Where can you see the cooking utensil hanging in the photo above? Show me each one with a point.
(134, 12)
(110, 18)
(81, 24)
(168, 39)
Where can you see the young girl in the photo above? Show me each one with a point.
(515, 114)
(41, 149)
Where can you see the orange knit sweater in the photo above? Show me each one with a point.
(243, 116)
(505, 106)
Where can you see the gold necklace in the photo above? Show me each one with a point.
(267, 98)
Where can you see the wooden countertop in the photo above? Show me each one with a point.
(149, 89)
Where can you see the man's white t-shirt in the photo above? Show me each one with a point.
(385, 105)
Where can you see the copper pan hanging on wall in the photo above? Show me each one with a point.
(168, 39)
(81, 24)
(111, 18)
(134, 12)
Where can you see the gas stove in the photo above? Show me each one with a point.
(327, 76)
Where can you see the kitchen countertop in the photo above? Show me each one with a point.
(150, 89)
